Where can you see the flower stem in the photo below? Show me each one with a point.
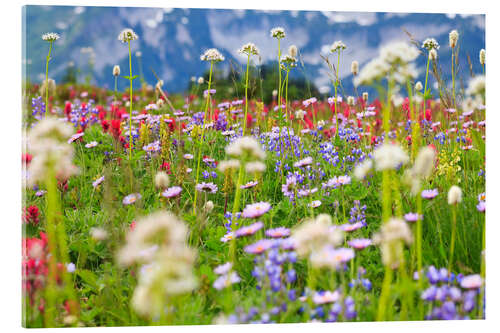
(130, 104)
(202, 135)
(47, 80)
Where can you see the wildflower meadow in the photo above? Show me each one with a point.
(143, 207)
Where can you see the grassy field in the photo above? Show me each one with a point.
(210, 211)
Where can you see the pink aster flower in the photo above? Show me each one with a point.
(259, 247)
(206, 187)
(75, 137)
(278, 232)
(430, 194)
(412, 217)
(348, 227)
(227, 237)
(226, 280)
(481, 206)
(223, 269)
(249, 184)
(98, 181)
(314, 204)
(324, 297)
(131, 198)
(360, 243)
(91, 144)
(343, 254)
(172, 192)
(249, 230)
(256, 209)
(473, 281)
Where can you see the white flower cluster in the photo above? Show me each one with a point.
(482, 57)
(50, 36)
(249, 49)
(390, 238)
(127, 35)
(312, 235)
(453, 37)
(430, 44)
(50, 149)
(249, 152)
(477, 86)
(422, 168)
(278, 32)
(289, 60)
(116, 70)
(337, 46)
(454, 195)
(389, 156)
(47, 84)
(212, 55)
(158, 243)
(398, 57)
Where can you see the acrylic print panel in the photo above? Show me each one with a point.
(202, 166)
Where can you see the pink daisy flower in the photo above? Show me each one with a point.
(255, 210)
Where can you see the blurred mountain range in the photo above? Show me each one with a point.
(172, 39)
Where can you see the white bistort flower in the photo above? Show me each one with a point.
(424, 163)
(454, 195)
(337, 46)
(313, 235)
(255, 167)
(278, 32)
(453, 37)
(292, 50)
(228, 165)
(249, 49)
(50, 36)
(430, 44)
(389, 156)
(127, 35)
(212, 55)
(116, 70)
(482, 56)
(362, 169)
(354, 68)
(245, 145)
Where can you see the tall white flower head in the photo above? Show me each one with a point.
(362, 169)
(127, 35)
(50, 36)
(477, 85)
(398, 52)
(293, 51)
(454, 195)
(424, 163)
(289, 60)
(278, 32)
(161, 180)
(390, 238)
(418, 86)
(453, 37)
(49, 146)
(116, 70)
(249, 49)
(482, 56)
(245, 145)
(389, 156)
(337, 46)
(212, 55)
(374, 70)
(354, 68)
(430, 44)
(313, 235)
